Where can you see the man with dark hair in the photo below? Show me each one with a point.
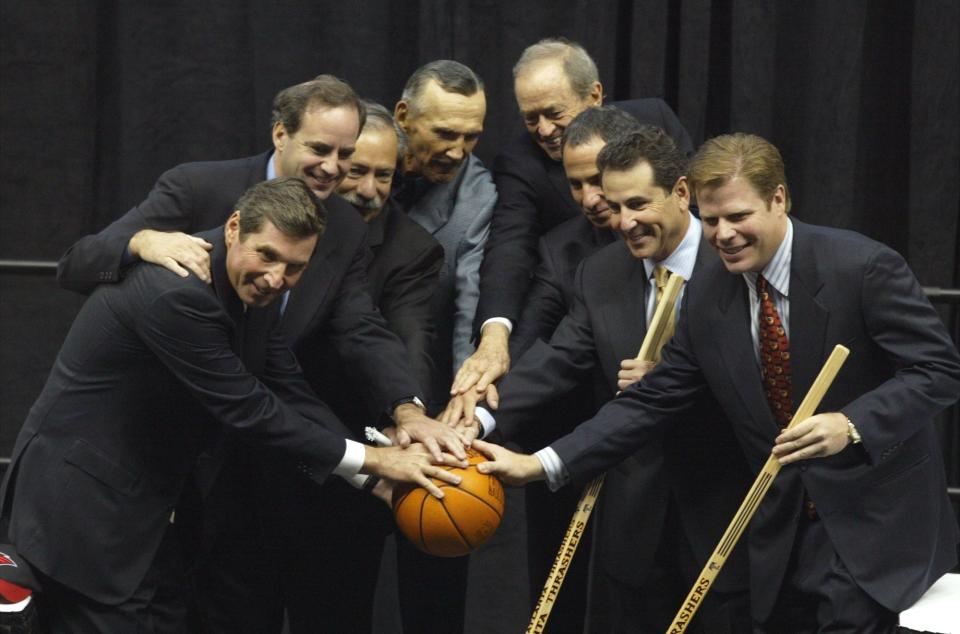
(554, 81)
(638, 576)
(331, 312)
(857, 524)
(307, 540)
(152, 367)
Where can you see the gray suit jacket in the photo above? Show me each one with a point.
(458, 215)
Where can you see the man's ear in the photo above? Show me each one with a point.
(595, 97)
(401, 114)
(279, 136)
(681, 189)
(231, 230)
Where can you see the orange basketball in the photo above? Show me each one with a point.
(465, 518)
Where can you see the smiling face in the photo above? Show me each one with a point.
(367, 184)
(653, 221)
(262, 266)
(442, 130)
(580, 166)
(320, 151)
(744, 229)
(548, 104)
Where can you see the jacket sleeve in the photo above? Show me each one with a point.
(98, 258)
(511, 252)
(544, 306)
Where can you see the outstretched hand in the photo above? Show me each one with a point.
(415, 426)
(513, 468)
(411, 464)
(488, 363)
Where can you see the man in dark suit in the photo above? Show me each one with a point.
(154, 368)
(639, 576)
(306, 539)
(857, 524)
(315, 128)
(554, 81)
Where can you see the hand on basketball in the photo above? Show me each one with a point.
(411, 464)
(631, 371)
(468, 430)
(816, 437)
(175, 251)
(414, 426)
(513, 468)
(462, 406)
(490, 361)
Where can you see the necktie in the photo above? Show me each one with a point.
(660, 277)
(774, 356)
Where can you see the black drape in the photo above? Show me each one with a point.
(98, 98)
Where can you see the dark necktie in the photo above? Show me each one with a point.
(774, 356)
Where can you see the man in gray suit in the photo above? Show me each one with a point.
(448, 192)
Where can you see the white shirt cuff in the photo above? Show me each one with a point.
(498, 320)
(350, 464)
(487, 421)
(556, 473)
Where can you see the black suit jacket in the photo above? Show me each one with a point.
(697, 462)
(330, 305)
(403, 279)
(883, 503)
(150, 370)
(551, 292)
(534, 197)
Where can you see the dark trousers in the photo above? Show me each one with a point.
(157, 606)
(819, 594)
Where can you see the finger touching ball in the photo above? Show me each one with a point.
(464, 519)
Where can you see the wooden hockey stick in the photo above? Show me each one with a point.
(568, 547)
(754, 497)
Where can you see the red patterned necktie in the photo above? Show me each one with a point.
(774, 356)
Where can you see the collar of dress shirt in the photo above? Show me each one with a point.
(777, 270)
(683, 258)
(271, 169)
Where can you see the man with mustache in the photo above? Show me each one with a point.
(554, 81)
(638, 576)
(308, 540)
(857, 524)
(314, 130)
(152, 367)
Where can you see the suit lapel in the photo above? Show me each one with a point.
(558, 179)
(737, 349)
(808, 317)
(625, 318)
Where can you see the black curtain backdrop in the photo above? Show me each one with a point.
(98, 98)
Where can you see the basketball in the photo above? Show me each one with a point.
(464, 519)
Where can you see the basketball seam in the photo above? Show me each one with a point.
(466, 541)
(475, 496)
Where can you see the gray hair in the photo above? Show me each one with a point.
(380, 118)
(450, 75)
(578, 66)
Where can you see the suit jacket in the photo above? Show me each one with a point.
(551, 292)
(330, 305)
(607, 324)
(150, 369)
(534, 198)
(883, 503)
(403, 281)
(457, 215)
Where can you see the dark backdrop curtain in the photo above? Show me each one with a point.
(98, 98)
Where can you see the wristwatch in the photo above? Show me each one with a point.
(853, 434)
(410, 399)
